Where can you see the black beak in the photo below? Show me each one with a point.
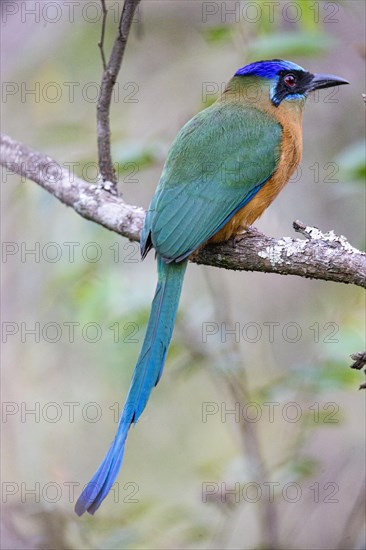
(325, 81)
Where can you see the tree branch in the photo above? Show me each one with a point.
(108, 81)
(101, 41)
(90, 201)
(323, 256)
(359, 360)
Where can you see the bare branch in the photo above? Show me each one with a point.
(101, 41)
(90, 201)
(359, 359)
(323, 256)
(104, 102)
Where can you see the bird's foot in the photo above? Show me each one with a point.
(246, 233)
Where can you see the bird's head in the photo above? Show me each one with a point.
(288, 81)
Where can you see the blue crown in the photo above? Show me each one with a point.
(268, 69)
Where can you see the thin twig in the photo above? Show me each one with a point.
(359, 359)
(252, 449)
(355, 520)
(101, 41)
(110, 75)
(239, 389)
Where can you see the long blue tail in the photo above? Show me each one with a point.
(147, 374)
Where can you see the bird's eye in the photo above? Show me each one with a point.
(290, 80)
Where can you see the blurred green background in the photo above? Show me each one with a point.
(293, 458)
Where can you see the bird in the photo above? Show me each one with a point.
(225, 167)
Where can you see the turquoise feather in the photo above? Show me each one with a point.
(147, 374)
(218, 161)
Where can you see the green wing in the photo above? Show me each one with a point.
(217, 163)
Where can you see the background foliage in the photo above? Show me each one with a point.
(178, 57)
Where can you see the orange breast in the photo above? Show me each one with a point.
(291, 151)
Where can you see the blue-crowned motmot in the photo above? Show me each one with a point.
(225, 167)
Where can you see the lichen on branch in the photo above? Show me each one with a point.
(325, 256)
